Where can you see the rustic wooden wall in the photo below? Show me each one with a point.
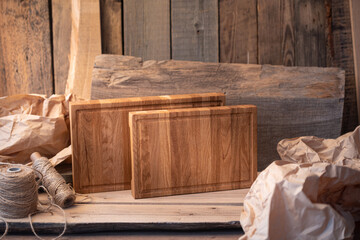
(281, 32)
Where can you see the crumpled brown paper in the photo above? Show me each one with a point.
(313, 193)
(33, 123)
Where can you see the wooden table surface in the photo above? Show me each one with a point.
(119, 211)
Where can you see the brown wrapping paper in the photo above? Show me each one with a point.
(33, 123)
(313, 193)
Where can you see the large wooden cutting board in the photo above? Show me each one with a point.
(193, 150)
(101, 142)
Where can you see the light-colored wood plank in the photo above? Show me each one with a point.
(194, 30)
(85, 45)
(192, 150)
(147, 29)
(355, 27)
(310, 22)
(111, 26)
(291, 101)
(342, 57)
(25, 48)
(101, 142)
(112, 211)
(238, 31)
(61, 26)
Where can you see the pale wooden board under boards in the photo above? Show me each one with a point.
(101, 142)
(238, 31)
(118, 211)
(25, 48)
(61, 31)
(355, 26)
(147, 28)
(194, 30)
(291, 101)
(192, 150)
(85, 45)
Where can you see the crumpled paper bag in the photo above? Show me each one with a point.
(33, 123)
(312, 193)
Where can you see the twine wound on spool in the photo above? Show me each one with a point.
(18, 191)
(63, 195)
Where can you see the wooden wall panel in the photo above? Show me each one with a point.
(238, 31)
(343, 57)
(194, 30)
(111, 28)
(61, 25)
(355, 26)
(147, 29)
(25, 48)
(276, 37)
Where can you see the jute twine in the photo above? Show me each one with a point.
(62, 193)
(19, 195)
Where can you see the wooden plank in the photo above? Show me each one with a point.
(276, 33)
(194, 30)
(101, 142)
(355, 27)
(147, 29)
(182, 151)
(85, 45)
(111, 28)
(203, 211)
(310, 22)
(61, 26)
(342, 57)
(238, 31)
(291, 101)
(25, 55)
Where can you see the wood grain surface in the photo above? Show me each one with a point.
(194, 30)
(25, 48)
(182, 151)
(291, 101)
(101, 142)
(238, 31)
(355, 27)
(61, 26)
(111, 26)
(147, 29)
(119, 211)
(85, 45)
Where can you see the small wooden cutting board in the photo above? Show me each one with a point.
(193, 150)
(101, 142)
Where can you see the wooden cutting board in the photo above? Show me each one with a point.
(101, 142)
(193, 150)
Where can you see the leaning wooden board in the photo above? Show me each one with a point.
(291, 101)
(193, 150)
(101, 142)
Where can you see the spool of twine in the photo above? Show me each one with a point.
(63, 195)
(18, 191)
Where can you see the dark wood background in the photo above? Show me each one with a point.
(35, 37)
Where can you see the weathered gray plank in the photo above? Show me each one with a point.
(310, 22)
(194, 29)
(147, 29)
(291, 101)
(238, 31)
